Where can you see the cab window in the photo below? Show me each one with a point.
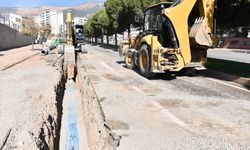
(153, 21)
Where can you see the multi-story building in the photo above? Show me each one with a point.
(80, 20)
(38, 20)
(2, 19)
(12, 20)
(52, 18)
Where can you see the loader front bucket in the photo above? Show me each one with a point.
(123, 47)
(198, 34)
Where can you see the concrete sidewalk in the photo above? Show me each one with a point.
(226, 77)
(230, 54)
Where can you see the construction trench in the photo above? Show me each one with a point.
(67, 113)
(81, 122)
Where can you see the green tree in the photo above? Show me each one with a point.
(88, 29)
(123, 12)
(106, 24)
(234, 17)
(101, 24)
(96, 24)
(114, 8)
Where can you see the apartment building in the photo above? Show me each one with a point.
(52, 18)
(80, 20)
(12, 20)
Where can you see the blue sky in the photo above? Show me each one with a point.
(33, 3)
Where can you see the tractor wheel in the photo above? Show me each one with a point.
(129, 61)
(145, 62)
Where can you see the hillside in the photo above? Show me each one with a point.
(83, 10)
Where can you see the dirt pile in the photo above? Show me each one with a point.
(100, 136)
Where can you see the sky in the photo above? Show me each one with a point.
(34, 3)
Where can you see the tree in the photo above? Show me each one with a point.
(30, 28)
(114, 9)
(123, 12)
(105, 24)
(233, 17)
(44, 31)
(88, 30)
(98, 25)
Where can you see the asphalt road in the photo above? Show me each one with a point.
(232, 55)
(186, 112)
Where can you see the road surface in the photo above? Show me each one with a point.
(181, 113)
(227, 54)
(111, 107)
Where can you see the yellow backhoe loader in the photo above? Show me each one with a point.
(168, 43)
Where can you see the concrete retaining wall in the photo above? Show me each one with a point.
(10, 38)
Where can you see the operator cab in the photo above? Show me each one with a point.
(78, 34)
(159, 25)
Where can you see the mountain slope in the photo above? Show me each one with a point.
(83, 10)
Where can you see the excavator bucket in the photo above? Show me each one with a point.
(198, 34)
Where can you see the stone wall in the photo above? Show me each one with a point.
(10, 38)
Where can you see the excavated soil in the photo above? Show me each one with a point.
(99, 134)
